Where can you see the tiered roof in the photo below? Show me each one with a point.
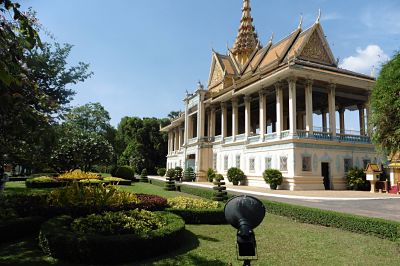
(248, 57)
(247, 40)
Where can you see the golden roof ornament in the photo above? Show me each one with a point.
(247, 40)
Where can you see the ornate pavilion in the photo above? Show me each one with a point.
(257, 112)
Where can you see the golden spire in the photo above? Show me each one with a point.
(247, 40)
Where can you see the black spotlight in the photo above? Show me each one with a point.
(245, 213)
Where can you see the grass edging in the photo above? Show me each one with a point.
(349, 222)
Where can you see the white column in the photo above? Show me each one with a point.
(200, 117)
(186, 132)
(361, 116)
(309, 107)
(368, 113)
(234, 118)
(292, 106)
(332, 108)
(247, 118)
(223, 120)
(263, 114)
(324, 123)
(169, 142)
(341, 120)
(179, 137)
(212, 122)
(279, 109)
(176, 139)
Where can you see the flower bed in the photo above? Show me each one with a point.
(58, 240)
(197, 211)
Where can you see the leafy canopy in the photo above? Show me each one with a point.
(385, 107)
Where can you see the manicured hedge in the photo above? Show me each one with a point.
(57, 240)
(30, 183)
(20, 227)
(201, 216)
(36, 205)
(201, 192)
(354, 223)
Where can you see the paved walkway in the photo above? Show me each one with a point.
(380, 205)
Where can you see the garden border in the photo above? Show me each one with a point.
(349, 222)
(57, 240)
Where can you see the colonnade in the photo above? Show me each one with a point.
(188, 132)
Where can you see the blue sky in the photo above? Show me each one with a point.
(145, 54)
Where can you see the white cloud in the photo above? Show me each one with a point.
(365, 60)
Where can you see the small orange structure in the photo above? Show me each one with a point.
(372, 171)
(394, 167)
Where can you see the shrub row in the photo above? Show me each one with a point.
(19, 227)
(57, 240)
(354, 223)
(201, 216)
(37, 205)
(200, 192)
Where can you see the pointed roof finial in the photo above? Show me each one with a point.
(319, 17)
(271, 38)
(247, 40)
(301, 22)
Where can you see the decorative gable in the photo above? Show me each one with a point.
(317, 49)
(216, 73)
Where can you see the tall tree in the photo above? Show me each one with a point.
(83, 139)
(90, 117)
(33, 83)
(141, 143)
(385, 107)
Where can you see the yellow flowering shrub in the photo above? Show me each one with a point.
(192, 203)
(78, 174)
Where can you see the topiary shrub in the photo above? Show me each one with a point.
(161, 171)
(171, 173)
(210, 174)
(235, 175)
(273, 177)
(170, 184)
(143, 176)
(125, 172)
(178, 173)
(220, 193)
(189, 175)
(356, 179)
(56, 239)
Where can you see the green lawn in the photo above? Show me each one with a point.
(281, 241)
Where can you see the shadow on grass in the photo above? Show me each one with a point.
(207, 238)
(24, 252)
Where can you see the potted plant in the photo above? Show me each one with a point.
(273, 177)
(235, 175)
